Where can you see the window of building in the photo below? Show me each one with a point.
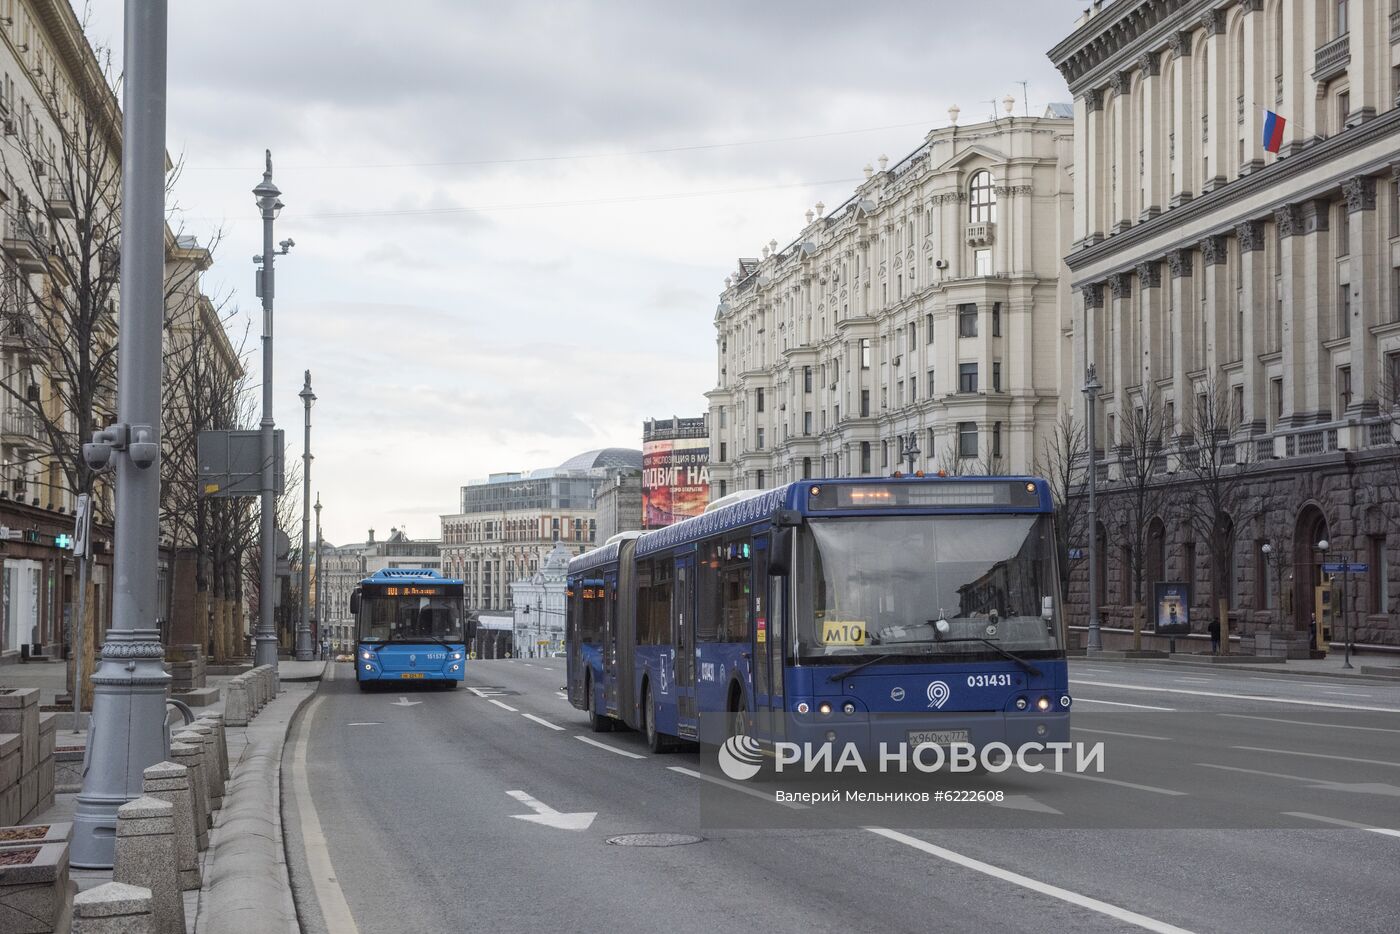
(1395, 293)
(865, 457)
(1237, 404)
(865, 403)
(1343, 109)
(758, 480)
(806, 423)
(865, 353)
(928, 327)
(806, 468)
(913, 389)
(1343, 229)
(967, 377)
(899, 393)
(996, 319)
(967, 439)
(723, 451)
(967, 320)
(982, 262)
(1343, 389)
(806, 379)
(1395, 193)
(1275, 402)
(722, 417)
(1390, 389)
(1379, 576)
(928, 383)
(758, 400)
(982, 198)
(723, 488)
(996, 439)
(884, 453)
(1340, 19)
(760, 439)
(996, 376)
(1344, 310)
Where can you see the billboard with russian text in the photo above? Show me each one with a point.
(675, 480)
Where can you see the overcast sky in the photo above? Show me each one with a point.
(513, 219)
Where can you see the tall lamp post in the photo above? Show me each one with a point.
(320, 613)
(1324, 546)
(909, 448)
(128, 732)
(270, 205)
(1091, 390)
(304, 652)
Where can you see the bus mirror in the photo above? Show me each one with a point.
(779, 553)
(787, 518)
(355, 603)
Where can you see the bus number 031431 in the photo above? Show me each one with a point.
(990, 681)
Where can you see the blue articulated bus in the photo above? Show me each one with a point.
(867, 611)
(410, 626)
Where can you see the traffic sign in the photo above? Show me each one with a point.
(1346, 567)
(82, 527)
(1076, 553)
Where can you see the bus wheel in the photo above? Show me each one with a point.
(656, 740)
(452, 685)
(596, 722)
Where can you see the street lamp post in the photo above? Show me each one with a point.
(1091, 389)
(128, 732)
(269, 205)
(909, 448)
(320, 613)
(1324, 546)
(304, 653)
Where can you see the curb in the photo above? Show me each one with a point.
(1241, 667)
(247, 886)
(302, 679)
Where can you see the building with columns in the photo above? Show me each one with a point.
(925, 308)
(1206, 267)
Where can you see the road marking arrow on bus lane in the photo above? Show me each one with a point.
(546, 815)
(405, 702)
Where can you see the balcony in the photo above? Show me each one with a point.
(59, 201)
(21, 334)
(26, 243)
(1333, 58)
(979, 235)
(1395, 26)
(19, 428)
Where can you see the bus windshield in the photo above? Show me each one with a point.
(925, 586)
(410, 619)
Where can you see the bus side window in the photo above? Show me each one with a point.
(709, 623)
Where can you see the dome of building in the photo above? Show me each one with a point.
(604, 457)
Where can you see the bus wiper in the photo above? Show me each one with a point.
(1030, 669)
(884, 656)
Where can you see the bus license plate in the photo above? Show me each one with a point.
(419, 674)
(936, 737)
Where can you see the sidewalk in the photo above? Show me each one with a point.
(1367, 667)
(246, 840)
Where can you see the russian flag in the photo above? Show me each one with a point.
(1273, 131)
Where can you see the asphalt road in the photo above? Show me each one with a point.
(1229, 802)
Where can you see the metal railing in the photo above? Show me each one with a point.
(1332, 58)
(19, 423)
(1395, 26)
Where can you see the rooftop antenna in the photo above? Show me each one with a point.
(993, 104)
(1025, 96)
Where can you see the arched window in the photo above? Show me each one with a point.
(982, 198)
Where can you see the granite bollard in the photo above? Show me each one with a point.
(189, 755)
(113, 908)
(216, 720)
(146, 856)
(171, 782)
(237, 704)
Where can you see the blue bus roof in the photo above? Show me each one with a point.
(409, 576)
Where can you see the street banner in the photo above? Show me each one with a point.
(675, 480)
(1173, 602)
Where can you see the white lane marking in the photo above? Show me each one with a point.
(1194, 680)
(1035, 885)
(1318, 755)
(1249, 697)
(1025, 803)
(477, 691)
(733, 786)
(1343, 823)
(1346, 694)
(404, 702)
(621, 752)
(1097, 671)
(542, 721)
(1114, 703)
(1365, 788)
(367, 723)
(1113, 781)
(527, 664)
(546, 815)
(1085, 729)
(503, 706)
(334, 909)
(1329, 726)
(561, 694)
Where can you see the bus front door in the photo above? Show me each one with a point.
(767, 647)
(683, 638)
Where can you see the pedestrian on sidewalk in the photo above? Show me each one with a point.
(1214, 630)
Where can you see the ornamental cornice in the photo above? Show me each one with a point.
(1120, 32)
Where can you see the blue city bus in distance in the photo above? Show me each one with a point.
(893, 610)
(410, 626)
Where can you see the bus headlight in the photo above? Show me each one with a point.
(367, 656)
(1043, 704)
(824, 708)
(457, 656)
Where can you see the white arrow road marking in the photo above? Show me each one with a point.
(405, 702)
(546, 815)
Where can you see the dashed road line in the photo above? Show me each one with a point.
(1344, 823)
(1035, 885)
(1122, 784)
(1114, 703)
(503, 706)
(621, 752)
(1319, 755)
(1240, 697)
(1085, 729)
(1327, 726)
(542, 721)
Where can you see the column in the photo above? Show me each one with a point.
(1182, 329)
(1152, 135)
(1093, 341)
(1215, 311)
(1083, 192)
(1184, 131)
(1126, 369)
(1094, 180)
(1153, 366)
(1256, 298)
(1124, 156)
(1258, 94)
(1293, 284)
(1367, 292)
(1368, 74)
(1317, 308)
(1300, 42)
(1220, 110)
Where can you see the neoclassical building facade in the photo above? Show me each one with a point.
(1205, 266)
(925, 308)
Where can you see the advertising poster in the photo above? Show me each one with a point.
(1173, 600)
(675, 480)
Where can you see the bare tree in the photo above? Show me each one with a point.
(1138, 497)
(1063, 461)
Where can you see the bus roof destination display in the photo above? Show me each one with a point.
(934, 493)
(414, 591)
